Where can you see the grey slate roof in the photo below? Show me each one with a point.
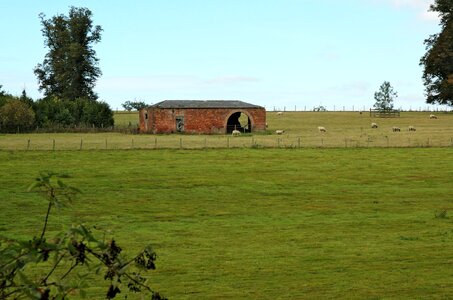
(204, 104)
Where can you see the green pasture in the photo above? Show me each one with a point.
(344, 129)
(356, 223)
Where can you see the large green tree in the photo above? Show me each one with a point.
(438, 59)
(70, 68)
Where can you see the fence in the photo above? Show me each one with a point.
(384, 113)
(223, 142)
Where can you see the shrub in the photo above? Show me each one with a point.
(15, 115)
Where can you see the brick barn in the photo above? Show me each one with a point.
(198, 116)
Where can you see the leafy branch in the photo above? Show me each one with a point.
(54, 268)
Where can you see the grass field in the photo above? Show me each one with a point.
(344, 129)
(356, 223)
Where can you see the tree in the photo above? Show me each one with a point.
(16, 115)
(52, 268)
(52, 111)
(70, 68)
(384, 97)
(438, 59)
(136, 105)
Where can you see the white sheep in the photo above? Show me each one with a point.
(374, 125)
(395, 129)
(279, 113)
(432, 116)
(236, 132)
(279, 131)
(411, 128)
(322, 129)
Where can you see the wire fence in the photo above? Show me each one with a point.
(219, 142)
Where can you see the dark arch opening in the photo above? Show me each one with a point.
(239, 121)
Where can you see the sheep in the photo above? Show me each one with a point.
(395, 129)
(411, 128)
(279, 113)
(374, 125)
(322, 129)
(432, 116)
(236, 132)
(279, 131)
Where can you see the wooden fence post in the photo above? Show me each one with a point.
(28, 144)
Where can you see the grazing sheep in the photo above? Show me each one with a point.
(280, 113)
(236, 132)
(395, 129)
(432, 116)
(322, 129)
(279, 131)
(374, 125)
(412, 128)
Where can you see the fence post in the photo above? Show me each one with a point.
(322, 142)
(180, 143)
(81, 144)
(298, 143)
(228, 142)
(155, 143)
(53, 145)
(132, 143)
(28, 144)
(105, 143)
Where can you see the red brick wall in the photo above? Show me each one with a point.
(197, 120)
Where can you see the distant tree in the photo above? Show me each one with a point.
(97, 114)
(438, 59)
(25, 99)
(53, 111)
(16, 115)
(136, 105)
(5, 97)
(385, 96)
(70, 68)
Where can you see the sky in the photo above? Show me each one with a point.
(280, 54)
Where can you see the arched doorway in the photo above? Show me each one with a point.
(239, 121)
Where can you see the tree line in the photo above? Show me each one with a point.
(67, 77)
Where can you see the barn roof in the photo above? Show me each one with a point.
(204, 104)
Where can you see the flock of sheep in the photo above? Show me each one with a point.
(323, 129)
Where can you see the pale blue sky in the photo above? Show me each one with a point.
(275, 53)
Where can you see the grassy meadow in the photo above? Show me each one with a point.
(344, 129)
(355, 223)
